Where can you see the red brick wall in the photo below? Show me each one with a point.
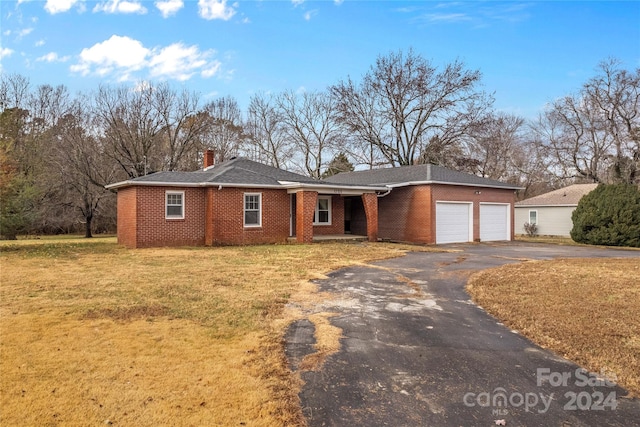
(404, 214)
(228, 217)
(305, 208)
(408, 213)
(337, 217)
(370, 202)
(212, 216)
(126, 210)
(153, 229)
(455, 193)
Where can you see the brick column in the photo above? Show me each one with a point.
(305, 208)
(370, 202)
(208, 216)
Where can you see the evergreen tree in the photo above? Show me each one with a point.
(609, 215)
(340, 163)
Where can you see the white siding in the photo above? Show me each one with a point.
(552, 220)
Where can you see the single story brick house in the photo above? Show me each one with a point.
(237, 202)
(551, 212)
(240, 201)
(432, 204)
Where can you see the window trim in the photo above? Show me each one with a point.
(316, 214)
(168, 193)
(244, 210)
(529, 219)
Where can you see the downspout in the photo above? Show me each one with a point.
(384, 194)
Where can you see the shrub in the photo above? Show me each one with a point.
(609, 215)
(530, 229)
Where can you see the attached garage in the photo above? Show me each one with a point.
(495, 222)
(429, 204)
(454, 222)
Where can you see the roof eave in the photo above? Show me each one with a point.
(546, 205)
(131, 183)
(343, 189)
(406, 184)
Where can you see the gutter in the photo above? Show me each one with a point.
(406, 184)
(130, 183)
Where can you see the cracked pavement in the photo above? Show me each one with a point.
(416, 351)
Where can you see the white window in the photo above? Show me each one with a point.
(322, 215)
(533, 217)
(252, 209)
(174, 205)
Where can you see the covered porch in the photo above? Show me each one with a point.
(329, 213)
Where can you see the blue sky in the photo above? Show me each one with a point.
(528, 52)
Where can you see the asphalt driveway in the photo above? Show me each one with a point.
(417, 352)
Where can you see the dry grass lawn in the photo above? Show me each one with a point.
(587, 310)
(92, 333)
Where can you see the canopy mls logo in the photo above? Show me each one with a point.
(499, 400)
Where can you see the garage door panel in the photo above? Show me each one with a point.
(453, 222)
(494, 222)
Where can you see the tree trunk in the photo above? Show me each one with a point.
(87, 227)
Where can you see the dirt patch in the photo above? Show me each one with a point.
(458, 260)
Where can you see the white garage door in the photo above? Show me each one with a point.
(453, 222)
(494, 222)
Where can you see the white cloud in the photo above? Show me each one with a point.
(211, 70)
(447, 17)
(123, 57)
(216, 9)
(40, 43)
(123, 54)
(24, 32)
(5, 52)
(338, 2)
(169, 7)
(58, 6)
(297, 2)
(52, 57)
(177, 61)
(120, 6)
(310, 14)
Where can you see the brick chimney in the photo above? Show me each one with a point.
(209, 158)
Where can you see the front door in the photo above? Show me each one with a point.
(292, 215)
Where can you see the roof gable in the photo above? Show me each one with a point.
(416, 174)
(567, 196)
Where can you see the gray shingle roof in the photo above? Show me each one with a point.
(408, 175)
(238, 171)
(570, 195)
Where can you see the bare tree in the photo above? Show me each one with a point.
(132, 127)
(408, 109)
(15, 90)
(79, 166)
(268, 141)
(615, 95)
(309, 124)
(183, 124)
(491, 145)
(594, 134)
(224, 131)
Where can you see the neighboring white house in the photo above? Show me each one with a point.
(551, 212)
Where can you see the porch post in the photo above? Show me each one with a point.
(305, 208)
(370, 202)
(208, 216)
